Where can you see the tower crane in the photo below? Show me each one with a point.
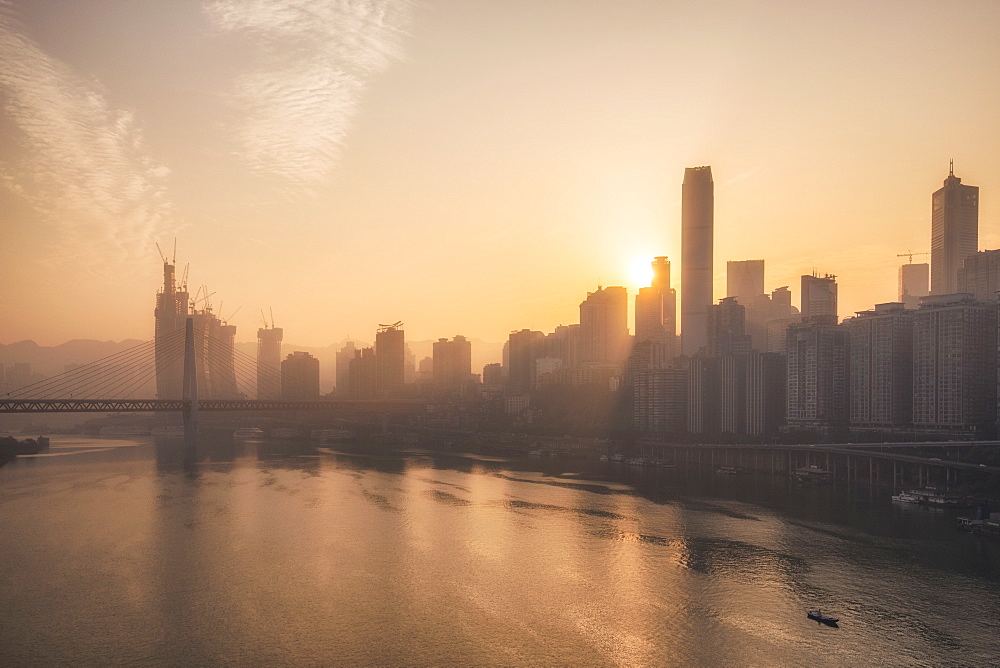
(910, 255)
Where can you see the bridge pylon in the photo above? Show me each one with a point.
(190, 387)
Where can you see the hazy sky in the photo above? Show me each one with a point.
(469, 166)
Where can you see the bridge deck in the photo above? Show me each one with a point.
(177, 405)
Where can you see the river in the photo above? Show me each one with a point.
(122, 552)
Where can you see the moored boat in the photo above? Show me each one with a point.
(930, 496)
(812, 473)
(248, 433)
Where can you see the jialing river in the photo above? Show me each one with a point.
(117, 552)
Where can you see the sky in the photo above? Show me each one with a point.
(469, 167)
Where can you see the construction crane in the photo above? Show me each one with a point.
(910, 255)
(225, 321)
(195, 300)
(162, 256)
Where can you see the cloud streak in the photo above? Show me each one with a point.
(314, 61)
(79, 162)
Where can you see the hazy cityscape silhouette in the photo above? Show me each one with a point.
(472, 333)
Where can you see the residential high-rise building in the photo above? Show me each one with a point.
(452, 367)
(745, 280)
(362, 375)
(390, 359)
(955, 364)
(493, 374)
(300, 376)
(269, 362)
(660, 398)
(704, 394)
(344, 357)
(817, 373)
(751, 393)
(522, 351)
(780, 314)
(819, 296)
(604, 326)
(170, 316)
(726, 329)
(954, 231)
(656, 306)
(745, 283)
(697, 230)
(881, 366)
(914, 283)
(979, 275)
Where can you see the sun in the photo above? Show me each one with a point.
(641, 271)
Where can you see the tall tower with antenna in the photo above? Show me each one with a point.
(954, 231)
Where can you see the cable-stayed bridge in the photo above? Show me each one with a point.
(197, 372)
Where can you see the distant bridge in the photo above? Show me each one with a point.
(87, 389)
(182, 405)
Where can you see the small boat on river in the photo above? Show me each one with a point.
(821, 618)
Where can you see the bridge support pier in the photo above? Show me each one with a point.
(190, 389)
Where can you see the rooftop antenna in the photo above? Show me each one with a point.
(951, 167)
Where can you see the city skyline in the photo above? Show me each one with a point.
(426, 175)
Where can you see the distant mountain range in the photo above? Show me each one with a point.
(53, 360)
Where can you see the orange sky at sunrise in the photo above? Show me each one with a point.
(468, 167)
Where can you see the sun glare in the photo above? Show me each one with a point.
(641, 271)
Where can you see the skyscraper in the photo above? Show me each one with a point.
(955, 363)
(269, 362)
(300, 376)
(522, 350)
(881, 369)
(726, 325)
(817, 373)
(656, 306)
(980, 275)
(745, 280)
(819, 295)
(604, 326)
(914, 280)
(954, 231)
(452, 370)
(697, 223)
(344, 357)
(390, 357)
(170, 314)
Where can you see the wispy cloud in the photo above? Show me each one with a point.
(83, 164)
(315, 59)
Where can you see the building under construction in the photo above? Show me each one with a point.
(214, 340)
(269, 360)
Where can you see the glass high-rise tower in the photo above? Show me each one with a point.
(954, 232)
